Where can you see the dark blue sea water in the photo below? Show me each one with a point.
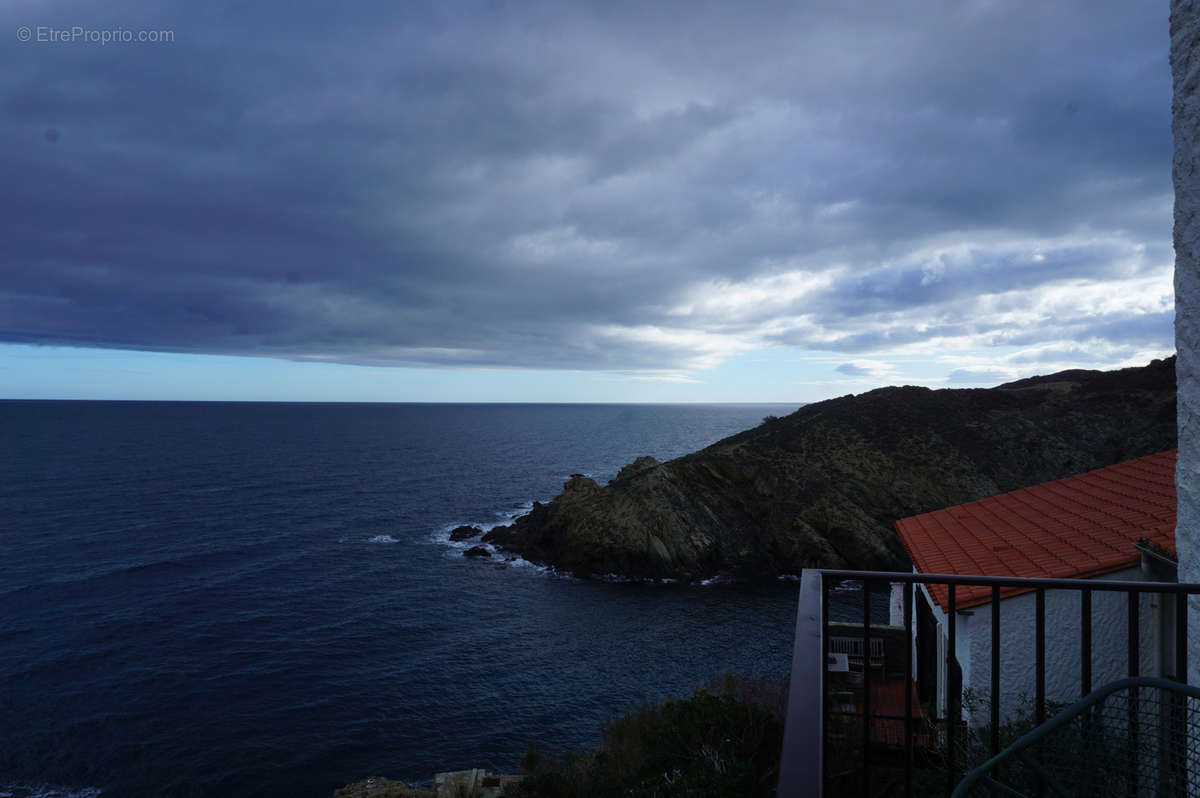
(208, 599)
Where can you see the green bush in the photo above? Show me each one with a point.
(973, 742)
(707, 745)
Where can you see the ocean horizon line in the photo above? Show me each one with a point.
(384, 402)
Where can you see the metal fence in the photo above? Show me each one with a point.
(836, 743)
(1132, 737)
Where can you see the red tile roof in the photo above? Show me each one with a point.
(1079, 527)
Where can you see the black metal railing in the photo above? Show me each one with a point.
(933, 757)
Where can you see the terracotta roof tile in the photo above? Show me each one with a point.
(1084, 525)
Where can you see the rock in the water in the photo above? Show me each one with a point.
(477, 551)
(500, 534)
(465, 532)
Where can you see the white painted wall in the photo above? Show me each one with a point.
(973, 644)
(1110, 629)
(1185, 124)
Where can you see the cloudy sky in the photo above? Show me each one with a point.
(565, 201)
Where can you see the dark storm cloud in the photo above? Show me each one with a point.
(617, 186)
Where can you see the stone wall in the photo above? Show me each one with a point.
(1185, 124)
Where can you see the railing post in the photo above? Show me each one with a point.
(1180, 730)
(995, 713)
(1134, 653)
(908, 689)
(1039, 655)
(800, 768)
(953, 713)
(1085, 659)
(1181, 611)
(866, 702)
(1085, 641)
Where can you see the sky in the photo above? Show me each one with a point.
(571, 201)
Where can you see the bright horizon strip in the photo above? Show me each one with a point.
(776, 375)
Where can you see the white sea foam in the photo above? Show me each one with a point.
(512, 514)
(455, 548)
(383, 539)
(618, 579)
(634, 580)
(504, 517)
(521, 562)
(18, 790)
(441, 535)
(788, 578)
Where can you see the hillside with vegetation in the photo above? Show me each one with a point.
(822, 487)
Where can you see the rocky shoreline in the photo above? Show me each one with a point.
(474, 783)
(822, 486)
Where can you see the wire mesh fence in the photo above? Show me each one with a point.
(1135, 737)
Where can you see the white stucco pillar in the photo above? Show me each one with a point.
(896, 605)
(1185, 125)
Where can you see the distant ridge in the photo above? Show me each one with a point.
(822, 486)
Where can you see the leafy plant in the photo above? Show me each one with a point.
(710, 745)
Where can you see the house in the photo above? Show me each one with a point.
(1116, 523)
(803, 768)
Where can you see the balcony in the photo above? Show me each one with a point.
(904, 683)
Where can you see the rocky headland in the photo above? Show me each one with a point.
(822, 486)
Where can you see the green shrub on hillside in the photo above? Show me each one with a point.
(707, 745)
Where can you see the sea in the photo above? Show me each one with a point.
(261, 599)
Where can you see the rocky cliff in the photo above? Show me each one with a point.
(822, 486)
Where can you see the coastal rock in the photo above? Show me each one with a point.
(474, 783)
(477, 551)
(579, 484)
(382, 788)
(822, 486)
(639, 465)
(465, 532)
(501, 534)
